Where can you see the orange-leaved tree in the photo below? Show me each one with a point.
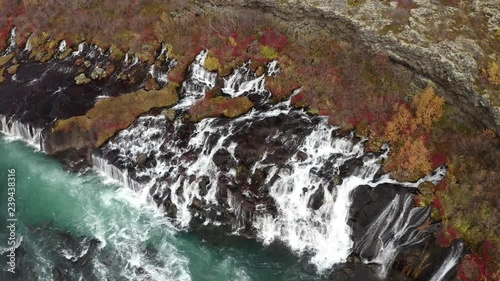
(410, 157)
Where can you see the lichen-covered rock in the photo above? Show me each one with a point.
(12, 69)
(220, 106)
(98, 73)
(2, 78)
(5, 59)
(110, 115)
(445, 43)
(82, 79)
(169, 113)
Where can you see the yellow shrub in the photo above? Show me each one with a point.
(411, 160)
(428, 107)
(232, 42)
(269, 52)
(401, 125)
(492, 73)
(212, 64)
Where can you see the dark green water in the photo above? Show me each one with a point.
(90, 229)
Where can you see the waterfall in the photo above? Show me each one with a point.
(198, 82)
(79, 51)
(163, 51)
(243, 81)
(111, 171)
(18, 130)
(451, 261)
(11, 41)
(62, 46)
(158, 74)
(273, 68)
(305, 228)
(395, 228)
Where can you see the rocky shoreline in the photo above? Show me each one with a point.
(241, 193)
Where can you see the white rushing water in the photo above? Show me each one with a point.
(243, 81)
(158, 74)
(198, 82)
(11, 41)
(19, 130)
(396, 227)
(323, 231)
(176, 162)
(176, 169)
(451, 261)
(62, 46)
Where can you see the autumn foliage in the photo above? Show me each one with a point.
(407, 132)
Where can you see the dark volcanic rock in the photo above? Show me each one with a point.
(316, 199)
(368, 203)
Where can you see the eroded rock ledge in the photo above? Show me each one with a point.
(452, 65)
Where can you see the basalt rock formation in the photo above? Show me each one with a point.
(452, 62)
(244, 163)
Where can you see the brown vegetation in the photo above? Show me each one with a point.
(220, 106)
(111, 115)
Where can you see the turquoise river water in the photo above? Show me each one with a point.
(85, 227)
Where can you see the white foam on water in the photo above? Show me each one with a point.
(11, 41)
(28, 46)
(273, 68)
(16, 130)
(323, 232)
(80, 49)
(111, 171)
(159, 75)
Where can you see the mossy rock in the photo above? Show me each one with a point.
(212, 64)
(111, 115)
(65, 54)
(2, 78)
(220, 106)
(13, 69)
(5, 59)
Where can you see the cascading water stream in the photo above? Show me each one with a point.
(26, 132)
(451, 262)
(267, 174)
(188, 165)
(395, 228)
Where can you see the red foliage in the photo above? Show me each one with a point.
(274, 38)
(353, 121)
(438, 205)
(438, 159)
(297, 99)
(474, 267)
(446, 235)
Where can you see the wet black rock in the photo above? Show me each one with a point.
(316, 199)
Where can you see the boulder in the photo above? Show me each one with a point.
(169, 113)
(82, 79)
